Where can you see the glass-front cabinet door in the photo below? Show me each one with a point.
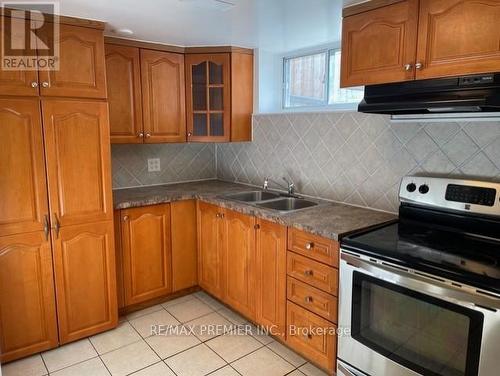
(208, 101)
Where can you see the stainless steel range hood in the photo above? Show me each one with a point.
(468, 96)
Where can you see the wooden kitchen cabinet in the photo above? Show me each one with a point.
(378, 46)
(85, 280)
(458, 37)
(219, 90)
(271, 276)
(78, 161)
(146, 253)
(239, 262)
(27, 300)
(123, 74)
(163, 94)
(210, 249)
(23, 186)
(81, 70)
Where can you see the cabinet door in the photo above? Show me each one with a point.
(239, 262)
(163, 95)
(81, 70)
(379, 46)
(208, 98)
(27, 302)
(210, 272)
(84, 263)
(271, 276)
(23, 191)
(147, 255)
(123, 74)
(17, 81)
(78, 161)
(184, 245)
(458, 37)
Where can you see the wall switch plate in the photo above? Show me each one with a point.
(154, 165)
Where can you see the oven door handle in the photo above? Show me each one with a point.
(347, 370)
(440, 289)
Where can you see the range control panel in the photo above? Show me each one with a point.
(461, 195)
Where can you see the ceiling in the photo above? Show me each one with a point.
(273, 25)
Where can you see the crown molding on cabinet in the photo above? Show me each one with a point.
(366, 6)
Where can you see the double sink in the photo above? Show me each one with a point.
(271, 200)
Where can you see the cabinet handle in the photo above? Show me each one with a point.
(222, 215)
(419, 65)
(190, 134)
(148, 135)
(308, 273)
(57, 225)
(46, 227)
(217, 215)
(408, 67)
(34, 84)
(257, 226)
(125, 218)
(308, 335)
(309, 245)
(308, 299)
(45, 84)
(140, 135)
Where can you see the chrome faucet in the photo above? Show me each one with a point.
(290, 186)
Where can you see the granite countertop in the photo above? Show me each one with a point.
(328, 219)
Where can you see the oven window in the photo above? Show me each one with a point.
(425, 334)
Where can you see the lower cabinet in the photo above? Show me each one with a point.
(28, 321)
(146, 253)
(84, 266)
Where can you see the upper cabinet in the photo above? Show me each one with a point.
(394, 41)
(219, 89)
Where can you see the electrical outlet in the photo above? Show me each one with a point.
(154, 165)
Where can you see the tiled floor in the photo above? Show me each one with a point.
(194, 350)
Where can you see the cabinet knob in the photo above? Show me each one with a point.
(308, 335)
(125, 218)
(34, 84)
(148, 135)
(217, 215)
(140, 135)
(308, 299)
(222, 215)
(309, 245)
(408, 67)
(45, 84)
(308, 273)
(190, 134)
(419, 65)
(257, 226)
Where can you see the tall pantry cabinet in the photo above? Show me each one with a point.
(57, 262)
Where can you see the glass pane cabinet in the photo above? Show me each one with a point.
(208, 88)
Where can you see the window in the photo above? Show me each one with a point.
(314, 80)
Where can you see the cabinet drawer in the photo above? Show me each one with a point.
(313, 246)
(313, 273)
(312, 299)
(311, 336)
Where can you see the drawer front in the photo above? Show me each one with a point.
(311, 336)
(313, 273)
(313, 246)
(312, 299)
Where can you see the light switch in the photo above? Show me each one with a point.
(154, 165)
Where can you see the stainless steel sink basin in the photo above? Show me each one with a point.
(252, 196)
(287, 204)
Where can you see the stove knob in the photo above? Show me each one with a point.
(424, 188)
(411, 187)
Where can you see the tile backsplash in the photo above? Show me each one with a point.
(358, 158)
(178, 163)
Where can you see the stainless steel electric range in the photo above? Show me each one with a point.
(422, 296)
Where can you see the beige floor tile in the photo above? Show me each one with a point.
(111, 340)
(189, 310)
(262, 362)
(210, 326)
(226, 371)
(310, 370)
(144, 312)
(182, 299)
(287, 354)
(31, 366)
(69, 354)
(158, 369)
(129, 359)
(259, 334)
(231, 346)
(296, 373)
(146, 325)
(171, 344)
(198, 361)
(208, 300)
(91, 367)
(232, 316)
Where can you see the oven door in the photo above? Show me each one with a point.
(393, 322)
